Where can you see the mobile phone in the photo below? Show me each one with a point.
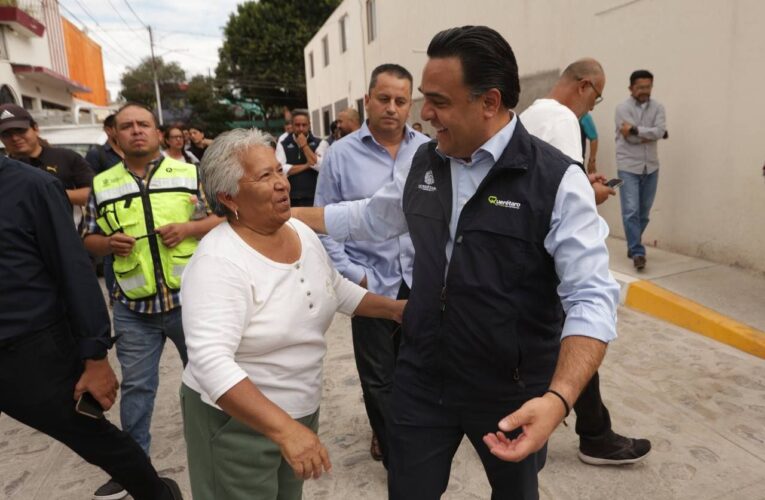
(615, 183)
(88, 406)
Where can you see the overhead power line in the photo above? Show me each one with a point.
(136, 15)
(190, 33)
(128, 59)
(123, 19)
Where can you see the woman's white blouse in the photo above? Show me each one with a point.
(245, 315)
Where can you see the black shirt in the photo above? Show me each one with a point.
(68, 166)
(45, 274)
(101, 158)
(197, 151)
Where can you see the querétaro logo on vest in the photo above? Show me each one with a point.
(504, 203)
(429, 181)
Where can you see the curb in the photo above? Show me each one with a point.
(660, 303)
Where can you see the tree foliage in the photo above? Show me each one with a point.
(206, 108)
(138, 83)
(262, 52)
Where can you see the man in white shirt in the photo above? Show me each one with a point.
(555, 119)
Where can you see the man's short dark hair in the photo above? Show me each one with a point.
(487, 60)
(641, 73)
(300, 112)
(136, 105)
(393, 69)
(109, 120)
(197, 126)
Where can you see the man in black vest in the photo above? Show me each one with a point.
(507, 239)
(300, 155)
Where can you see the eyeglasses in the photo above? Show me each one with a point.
(599, 97)
(174, 137)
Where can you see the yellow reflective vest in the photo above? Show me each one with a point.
(125, 205)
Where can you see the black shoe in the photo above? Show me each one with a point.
(639, 262)
(629, 254)
(111, 490)
(375, 450)
(613, 449)
(175, 490)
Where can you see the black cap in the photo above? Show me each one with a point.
(13, 116)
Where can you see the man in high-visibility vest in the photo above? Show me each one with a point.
(149, 211)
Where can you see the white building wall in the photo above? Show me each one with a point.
(35, 51)
(38, 92)
(344, 77)
(28, 50)
(706, 56)
(8, 78)
(55, 33)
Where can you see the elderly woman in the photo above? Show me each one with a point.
(258, 295)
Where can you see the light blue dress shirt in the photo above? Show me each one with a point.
(576, 239)
(354, 168)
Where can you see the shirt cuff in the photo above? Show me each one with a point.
(589, 322)
(355, 273)
(336, 221)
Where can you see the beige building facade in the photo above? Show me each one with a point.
(707, 58)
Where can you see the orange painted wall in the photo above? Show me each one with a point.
(85, 63)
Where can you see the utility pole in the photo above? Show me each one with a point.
(156, 82)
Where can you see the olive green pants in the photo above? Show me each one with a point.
(229, 460)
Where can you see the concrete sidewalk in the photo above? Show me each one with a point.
(721, 302)
(700, 402)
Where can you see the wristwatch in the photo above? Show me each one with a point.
(633, 130)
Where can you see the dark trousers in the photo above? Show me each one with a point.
(38, 373)
(424, 437)
(109, 278)
(592, 417)
(375, 347)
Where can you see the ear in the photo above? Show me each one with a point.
(366, 101)
(492, 101)
(227, 201)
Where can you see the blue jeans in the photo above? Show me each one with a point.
(637, 195)
(139, 348)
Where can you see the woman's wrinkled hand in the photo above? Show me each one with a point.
(303, 450)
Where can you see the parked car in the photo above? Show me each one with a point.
(78, 138)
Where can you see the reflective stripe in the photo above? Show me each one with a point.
(173, 182)
(116, 192)
(178, 269)
(128, 284)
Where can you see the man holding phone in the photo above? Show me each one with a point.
(300, 154)
(56, 331)
(555, 119)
